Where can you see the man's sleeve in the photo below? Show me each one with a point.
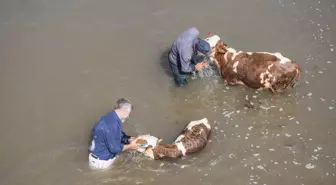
(185, 59)
(113, 140)
(125, 138)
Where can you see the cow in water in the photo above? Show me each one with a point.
(192, 139)
(259, 70)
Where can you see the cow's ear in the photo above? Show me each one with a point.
(221, 48)
(149, 152)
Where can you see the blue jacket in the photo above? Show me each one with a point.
(183, 49)
(108, 137)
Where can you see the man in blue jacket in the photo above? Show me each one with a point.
(108, 138)
(180, 56)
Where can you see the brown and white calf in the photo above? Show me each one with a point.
(193, 139)
(259, 70)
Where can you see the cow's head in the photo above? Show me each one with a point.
(147, 144)
(286, 75)
(221, 47)
(218, 48)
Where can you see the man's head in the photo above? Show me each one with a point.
(203, 47)
(123, 108)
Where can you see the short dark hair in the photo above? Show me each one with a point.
(123, 103)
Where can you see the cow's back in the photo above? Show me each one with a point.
(248, 67)
(195, 139)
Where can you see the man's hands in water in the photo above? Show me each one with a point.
(132, 146)
(201, 65)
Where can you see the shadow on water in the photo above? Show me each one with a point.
(164, 62)
(89, 141)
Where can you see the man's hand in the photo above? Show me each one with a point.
(205, 63)
(132, 146)
(131, 139)
(201, 65)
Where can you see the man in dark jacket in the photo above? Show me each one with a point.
(181, 53)
(109, 140)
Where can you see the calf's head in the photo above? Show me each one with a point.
(147, 144)
(286, 75)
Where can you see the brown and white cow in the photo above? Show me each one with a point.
(259, 70)
(193, 139)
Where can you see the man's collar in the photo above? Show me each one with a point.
(194, 43)
(116, 115)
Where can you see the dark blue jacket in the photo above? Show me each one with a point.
(108, 138)
(183, 49)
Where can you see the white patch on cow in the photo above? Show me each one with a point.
(262, 80)
(225, 56)
(240, 82)
(270, 66)
(200, 132)
(235, 66)
(232, 50)
(181, 147)
(179, 138)
(229, 51)
(150, 153)
(213, 40)
(266, 81)
(283, 60)
(199, 122)
(235, 54)
(267, 84)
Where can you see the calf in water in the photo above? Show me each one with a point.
(193, 139)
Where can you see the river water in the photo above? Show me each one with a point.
(64, 63)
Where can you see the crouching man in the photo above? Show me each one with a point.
(108, 138)
(180, 57)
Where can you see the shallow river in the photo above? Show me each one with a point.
(64, 63)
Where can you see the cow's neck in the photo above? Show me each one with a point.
(228, 56)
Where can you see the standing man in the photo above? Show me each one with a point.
(181, 53)
(108, 138)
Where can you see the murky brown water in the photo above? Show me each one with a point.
(64, 63)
